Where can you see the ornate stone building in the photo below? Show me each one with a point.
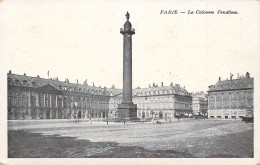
(156, 102)
(199, 103)
(38, 98)
(231, 98)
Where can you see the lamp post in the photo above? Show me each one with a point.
(107, 118)
(90, 115)
(76, 105)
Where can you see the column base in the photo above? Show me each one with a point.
(127, 110)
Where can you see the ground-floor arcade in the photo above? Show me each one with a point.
(54, 113)
(227, 113)
(161, 114)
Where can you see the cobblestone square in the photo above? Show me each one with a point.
(186, 138)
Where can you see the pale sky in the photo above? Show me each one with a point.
(81, 40)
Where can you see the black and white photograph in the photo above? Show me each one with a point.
(119, 79)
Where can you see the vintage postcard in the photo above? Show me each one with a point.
(133, 82)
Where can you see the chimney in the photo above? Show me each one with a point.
(219, 79)
(24, 74)
(10, 72)
(93, 84)
(77, 81)
(85, 82)
(231, 75)
(162, 84)
(149, 86)
(153, 84)
(247, 75)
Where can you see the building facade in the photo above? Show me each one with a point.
(157, 102)
(199, 103)
(39, 98)
(231, 98)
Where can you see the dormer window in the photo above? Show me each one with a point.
(9, 81)
(34, 84)
(17, 82)
(24, 82)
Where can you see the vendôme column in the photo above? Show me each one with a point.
(127, 109)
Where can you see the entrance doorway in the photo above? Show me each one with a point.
(143, 114)
(48, 114)
(79, 115)
(33, 113)
(160, 115)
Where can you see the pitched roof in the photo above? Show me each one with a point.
(37, 82)
(234, 84)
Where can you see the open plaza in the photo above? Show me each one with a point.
(184, 138)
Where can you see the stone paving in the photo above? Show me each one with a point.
(186, 135)
(129, 133)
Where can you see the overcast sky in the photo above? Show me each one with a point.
(81, 40)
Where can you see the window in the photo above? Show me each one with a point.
(9, 100)
(33, 101)
(24, 82)
(34, 84)
(212, 103)
(47, 102)
(25, 101)
(17, 101)
(17, 82)
(9, 81)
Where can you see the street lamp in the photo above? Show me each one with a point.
(76, 105)
(107, 118)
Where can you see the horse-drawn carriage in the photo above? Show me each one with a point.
(249, 118)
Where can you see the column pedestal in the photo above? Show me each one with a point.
(127, 111)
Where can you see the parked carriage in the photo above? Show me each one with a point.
(249, 118)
